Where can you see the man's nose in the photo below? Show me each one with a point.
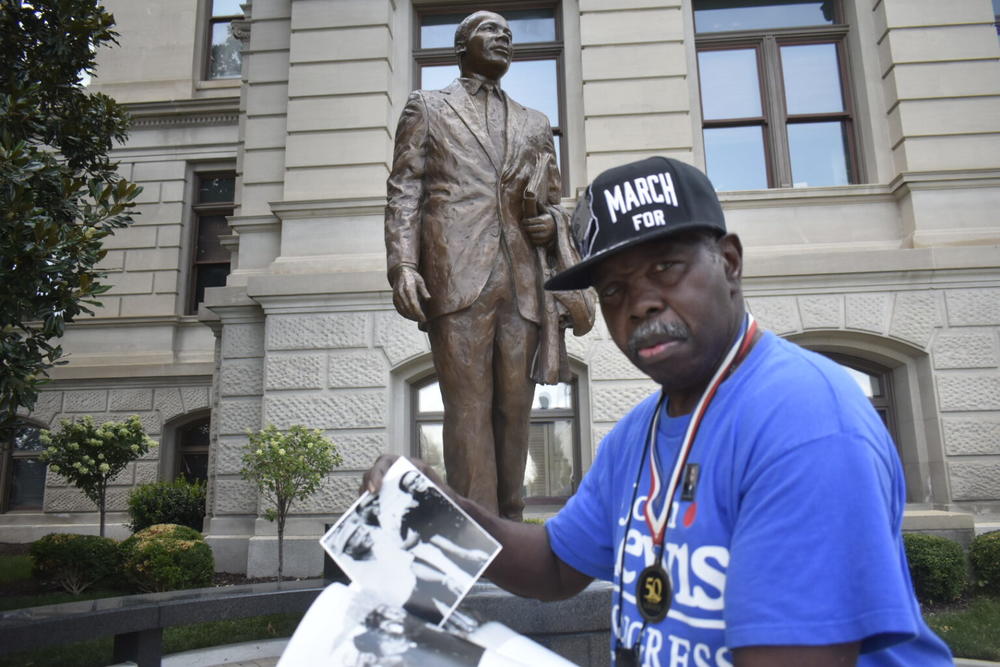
(645, 300)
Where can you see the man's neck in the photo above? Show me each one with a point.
(476, 76)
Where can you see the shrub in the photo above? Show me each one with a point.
(74, 562)
(180, 502)
(937, 567)
(984, 554)
(166, 557)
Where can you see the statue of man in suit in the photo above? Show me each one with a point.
(473, 213)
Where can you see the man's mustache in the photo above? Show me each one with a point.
(654, 331)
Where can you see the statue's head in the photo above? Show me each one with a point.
(483, 45)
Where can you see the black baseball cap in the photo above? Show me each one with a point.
(635, 203)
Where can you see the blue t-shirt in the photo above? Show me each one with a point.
(791, 535)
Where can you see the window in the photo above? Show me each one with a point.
(192, 441)
(876, 383)
(536, 71)
(774, 96)
(224, 59)
(22, 473)
(214, 194)
(996, 16)
(553, 469)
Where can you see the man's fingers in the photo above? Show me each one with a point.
(372, 479)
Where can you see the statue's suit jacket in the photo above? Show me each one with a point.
(453, 204)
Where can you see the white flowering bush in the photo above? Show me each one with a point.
(88, 455)
(286, 467)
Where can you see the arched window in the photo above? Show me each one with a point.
(875, 381)
(22, 473)
(553, 469)
(192, 441)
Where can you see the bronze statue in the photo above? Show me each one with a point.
(472, 228)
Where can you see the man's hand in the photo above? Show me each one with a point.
(407, 291)
(541, 229)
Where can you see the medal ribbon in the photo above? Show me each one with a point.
(658, 504)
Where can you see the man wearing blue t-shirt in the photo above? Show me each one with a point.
(749, 514)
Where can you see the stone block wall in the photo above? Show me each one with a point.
(156, 406)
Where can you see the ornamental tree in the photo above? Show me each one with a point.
(88, 455)
(286, 467)
(60, 194)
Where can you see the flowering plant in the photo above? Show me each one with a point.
(286, 467)
(88, 455)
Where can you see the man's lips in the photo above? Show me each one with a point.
(652, 350)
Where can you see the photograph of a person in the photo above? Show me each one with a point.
(410, 545)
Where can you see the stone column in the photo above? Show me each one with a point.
(941, 79)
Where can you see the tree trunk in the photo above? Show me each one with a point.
(281, 546)
(101, 495)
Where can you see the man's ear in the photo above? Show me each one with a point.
(732, 256)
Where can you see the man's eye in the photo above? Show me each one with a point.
(662, 266)
(609, 291)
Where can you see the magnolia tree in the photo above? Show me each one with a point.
(89, 455)
(287, 467)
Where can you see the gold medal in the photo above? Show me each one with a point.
(652, 593)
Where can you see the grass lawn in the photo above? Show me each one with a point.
(969, 627)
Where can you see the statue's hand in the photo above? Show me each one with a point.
(407, 292)
(541, 229)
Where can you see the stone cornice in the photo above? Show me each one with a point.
(175, 113)
(327, 208)
(909, 181)
(826, 196)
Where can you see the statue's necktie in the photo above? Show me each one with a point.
(495, 118)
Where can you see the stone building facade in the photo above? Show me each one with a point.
(895, 272)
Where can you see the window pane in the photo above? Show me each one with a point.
(26, 439)
(819, 154)
(812, 78)
(435, 77)
(723, 15)
(215, 189)
(194, 435)
(549, 471)
(210, 227)
(431, 444)
(27, 484)
(224, 57)
(527, 25)
(429, 399)
(735, 158)
(227, 7)
(552, 396)
(208, 275)
(868, 383)
(533, 83)
(194, 466)
(729, 84)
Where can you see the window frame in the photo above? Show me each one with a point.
(775, 118)
(554, 50)
(887, 400)
(210, 22)
(538, 416)
(7, 457)
(198, 211)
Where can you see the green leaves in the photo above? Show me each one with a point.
(60, 194)
(88, 455)
(286, 467)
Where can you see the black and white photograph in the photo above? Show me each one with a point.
(410, 546)
(347, 627)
